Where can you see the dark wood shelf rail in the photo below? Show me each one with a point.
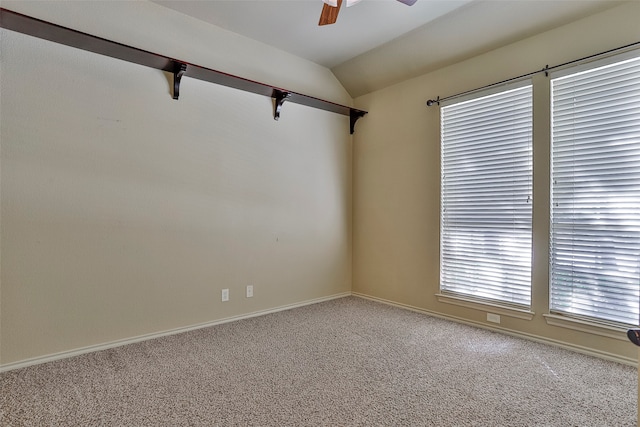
(48, 31)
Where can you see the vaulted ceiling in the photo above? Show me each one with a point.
(376, 43)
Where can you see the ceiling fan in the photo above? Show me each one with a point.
(331, 8)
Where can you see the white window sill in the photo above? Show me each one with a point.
(496, 308)
(609, 331)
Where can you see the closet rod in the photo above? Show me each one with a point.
(52, 32)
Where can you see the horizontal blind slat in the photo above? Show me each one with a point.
(486, 190)
(595, 193)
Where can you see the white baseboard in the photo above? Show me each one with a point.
(577, 348)
(118, 343)
(83, 350)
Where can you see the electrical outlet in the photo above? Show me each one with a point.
(494, 318)
(249, 291)
(225, 295)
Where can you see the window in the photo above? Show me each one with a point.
(595, 192)
(486, 188)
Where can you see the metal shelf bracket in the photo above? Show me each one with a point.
(279, 97)
(178, 71)
(354, 115)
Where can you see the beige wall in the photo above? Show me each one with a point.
(397, 173)
(124, 212)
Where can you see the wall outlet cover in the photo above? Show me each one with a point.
(494, 318)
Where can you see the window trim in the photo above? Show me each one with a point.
(486, 306)
(590, 326)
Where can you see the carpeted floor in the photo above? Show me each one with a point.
(346, 362)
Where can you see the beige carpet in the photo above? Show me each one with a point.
(347, 362)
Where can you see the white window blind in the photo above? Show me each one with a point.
(595, 193)
(486, 161)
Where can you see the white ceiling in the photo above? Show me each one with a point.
(292, 25)
(366, 33)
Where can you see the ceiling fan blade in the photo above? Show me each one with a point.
(408, 2)
(329, 14)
